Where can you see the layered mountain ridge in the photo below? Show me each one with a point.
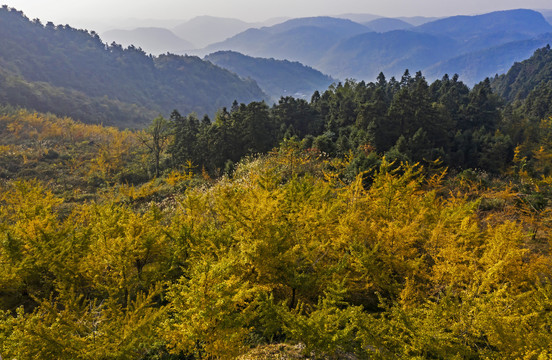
(343, 49)
(53, 67)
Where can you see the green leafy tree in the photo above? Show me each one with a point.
(156, 139)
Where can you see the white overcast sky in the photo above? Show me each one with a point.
(67, 11)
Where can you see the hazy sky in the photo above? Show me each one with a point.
(68, 11)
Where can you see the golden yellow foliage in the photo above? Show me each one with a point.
(408, 266)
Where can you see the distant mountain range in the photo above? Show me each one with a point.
(365, 18)
(359, 18)
(306, 40)
(478, 65)
(466, 28)
(180, 39)
(205, 30)
(152, 40)
(360, 46)
(388, 24)
(346, 49)
(277, 78)
(202, 31)
(391, 53)
(417, 20)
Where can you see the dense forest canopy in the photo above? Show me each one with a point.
(408, 120)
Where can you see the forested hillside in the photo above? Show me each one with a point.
(407, 120)
(42, 96)
(528, 85)
(489, 62)
(76, 64)
(525, 76)
(388, 24)
(277, 78)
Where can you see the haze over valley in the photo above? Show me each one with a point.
(360, 46)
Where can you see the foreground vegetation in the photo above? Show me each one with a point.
(293, 248)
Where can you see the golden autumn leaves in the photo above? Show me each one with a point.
(397, 270)
(401, 264)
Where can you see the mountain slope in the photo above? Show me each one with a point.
(151, 40)
(388, 24)
(417, 20)
(528, 87)
(359, 18)
(547, 13)
(306, 44)
(43, 97)
(525, 76)
(527, 22)
(474, 66)
(304, 40)
(345, 49)
(364, 56)
(341, 27)
(70, 59)
(276, 77)
(205, 30)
